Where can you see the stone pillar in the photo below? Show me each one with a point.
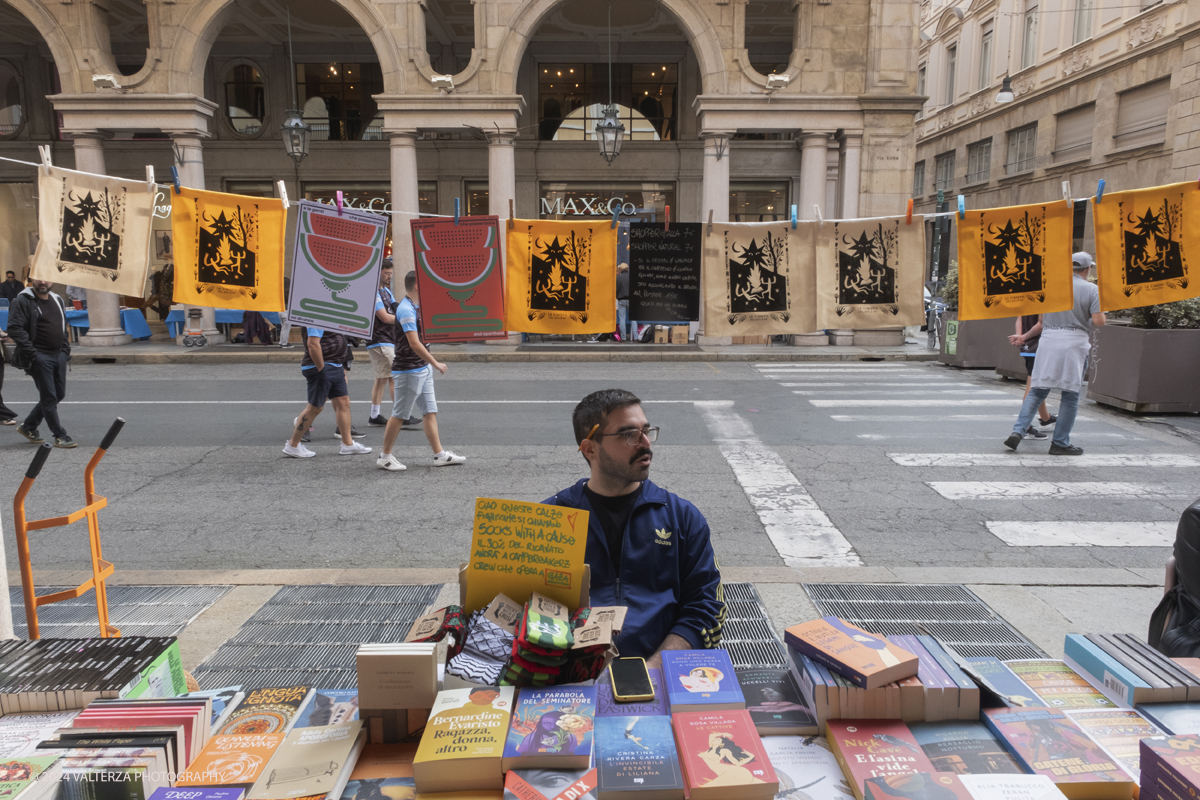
(189, 160)
(813, 150)
(851, 165)
(502, 188)
(405, 199)
(715, 198)
(104, 311)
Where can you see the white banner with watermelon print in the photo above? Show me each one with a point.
(335, 268)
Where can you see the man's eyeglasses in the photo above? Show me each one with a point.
(632, 438)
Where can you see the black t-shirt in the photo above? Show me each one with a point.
(623, 285)
(1027, 323)
(48, 336)
(613, 514)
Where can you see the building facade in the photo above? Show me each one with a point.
(734, 108)
(1103, 89)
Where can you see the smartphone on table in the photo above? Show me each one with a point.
(630, 680)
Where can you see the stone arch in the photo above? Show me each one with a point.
(203, 24)
(695, 24)
(56, 39)
(950, 17)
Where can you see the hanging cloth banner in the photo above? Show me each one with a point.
(459, 276)
(336, 261)
(1015, 261)
(93, 231)
(228, 250)
(1143, 239)
(759, 279)
(869, 273)
(664, 271)
(562, 277)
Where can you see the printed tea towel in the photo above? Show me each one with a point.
(228, 250)
(1015, 261)
(459, 278)
(562, 277)
(1143, 239)
(759, 279)
(869, 273)
(93, 231)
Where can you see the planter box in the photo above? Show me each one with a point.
(976, 344)
(1146, 370)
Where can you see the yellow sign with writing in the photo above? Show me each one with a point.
(521, 548)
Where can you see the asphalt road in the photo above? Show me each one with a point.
(806, 464)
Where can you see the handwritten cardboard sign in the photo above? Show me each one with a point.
(664, 271)
(518, 549)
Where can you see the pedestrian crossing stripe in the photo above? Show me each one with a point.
(1014, 460)
(1084, 534)
(917, 401)
(993, 490)
(832, 364)
(933, 418)
(925, 435)
(893, 392)
(821, 384)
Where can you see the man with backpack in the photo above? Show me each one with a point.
(37, 323)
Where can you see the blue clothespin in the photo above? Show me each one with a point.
(175, 178)
(1100, 190)
(793, 217)
(338, 199)
(457, 205)
(616, 209)
(962, 207)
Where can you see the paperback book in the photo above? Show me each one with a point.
(806, 768)
(1001, 685)
(329, 707)
(551, 728)
(1058, 685)
(231, 761)
(29, 777)
(548, 784)
(874, 748)
(1118, 732)
(636, 758)
(197, 794)
(1011, 787)
(1173, 718)
(383, 772)
(865, 659)
(774, 703)
(462, 748)
(917, 786)
(21, 733)
(965, 748)
(607, 706)
(267, 710)
(699, 680)
(722, 756)
(310, 762)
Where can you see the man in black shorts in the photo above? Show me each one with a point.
(323, 366)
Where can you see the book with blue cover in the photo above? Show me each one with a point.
(636, 758)
(964, 747)
(551, 728)
(1001, 686)
(1177, 719)
(329, 707)
(607, 706)
(701, 680)
(224, 700)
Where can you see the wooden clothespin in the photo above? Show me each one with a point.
(962, 207)
(151, 187)
(709, 223)
(283, 193)
(1066, 187)
(457, 206)
(616, 210)
(44, 152)
(817, 211)
(175, 178)
(794, 216)
(338, 198)
(1100, 190)
(668, 220)
(908, 213)
(511, 222)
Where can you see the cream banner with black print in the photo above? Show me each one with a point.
(759, 279)
(869, 273)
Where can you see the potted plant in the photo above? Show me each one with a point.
(1151, 364)
(972, 344)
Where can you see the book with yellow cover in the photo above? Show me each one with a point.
(865, 659)
(463, 744)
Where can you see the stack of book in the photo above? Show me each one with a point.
(31, 777)
(224, 701)
(20, 734)
(1169, 768)
(184, 721)
(1129, 671)
(397, 684)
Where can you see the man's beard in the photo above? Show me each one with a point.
(627, 471)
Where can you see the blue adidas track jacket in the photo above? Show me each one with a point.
(668, 579)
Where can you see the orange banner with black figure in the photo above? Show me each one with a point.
(1015, 261)
(562, 277)
(1143, 240)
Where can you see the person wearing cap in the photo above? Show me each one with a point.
(1062, 353)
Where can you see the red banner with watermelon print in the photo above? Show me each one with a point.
(335, 268)
(459, 277)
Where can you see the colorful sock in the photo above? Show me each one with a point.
(374, 411)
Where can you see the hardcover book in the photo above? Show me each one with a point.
(547, 784)
(551, 728)
(235, 761)
(269, 710)
(774, 703)
(699, 680)
(722, 756)
(1058, 685)
(1173, 718)
(311, 761)
(866, 660)
(607, 706)
(1011, 787)
(1046, 742)
(636, 759)
(463, 744)
(383, 772)
(963, 747)
(874, 748)
(806, 767)
(916, 786)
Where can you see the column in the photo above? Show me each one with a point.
(405, 200)
(502, 187)
(833, 174)
(851, 166)
(104, 312)
(189, 160)
(715, 198)
(813, 149)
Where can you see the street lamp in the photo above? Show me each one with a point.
(610, 132)
(1005, 95)
(295, 136)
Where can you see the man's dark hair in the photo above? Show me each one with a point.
(410, 281)
(387, 264)
(10, 272)
(593, 409)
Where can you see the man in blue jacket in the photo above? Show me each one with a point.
(649, 550)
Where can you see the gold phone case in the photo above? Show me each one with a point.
(636, 698)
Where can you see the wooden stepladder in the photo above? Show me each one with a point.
(101, 569)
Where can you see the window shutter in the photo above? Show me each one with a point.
(1142, 114)
(1073, 137)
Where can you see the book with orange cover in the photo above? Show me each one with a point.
(866, 660)
(235, 761)
(874, 748)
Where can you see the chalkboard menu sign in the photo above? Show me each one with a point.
(664, 271)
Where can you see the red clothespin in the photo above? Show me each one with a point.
(338, 197)
(908, 213)
(668, 222)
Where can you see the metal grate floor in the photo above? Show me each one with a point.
(950, 612)
(309, 635)
(747, 634)
(136, 610)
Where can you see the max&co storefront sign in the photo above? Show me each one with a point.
(587, 206)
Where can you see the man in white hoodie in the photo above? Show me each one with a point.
(37, 323)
